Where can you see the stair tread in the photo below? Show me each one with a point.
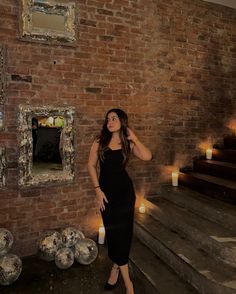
(156, 271)
(204, 206)
(196, 196)
(225, 149)
(224, 155)
(217, 162)
(182, 215)
(195, 257)
(213, 180)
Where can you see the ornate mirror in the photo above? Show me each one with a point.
(46, 143)
(48, 21)
(2, 83)
(2, 167)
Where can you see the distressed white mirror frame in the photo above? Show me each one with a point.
(2, 73)
(26, 176)
(2, 83)
(46, 30)
(2, 167)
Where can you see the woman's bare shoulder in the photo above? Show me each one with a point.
(95, 144)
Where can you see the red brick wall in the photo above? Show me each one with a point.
(169, 64)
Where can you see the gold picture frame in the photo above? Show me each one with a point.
(52, 22)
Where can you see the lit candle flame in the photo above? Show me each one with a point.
(142, 208)
(175, 175)
(209, 153)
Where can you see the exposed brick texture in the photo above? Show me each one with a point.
(169, 64)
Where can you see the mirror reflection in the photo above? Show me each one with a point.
(48, 21)
(47, 136)
(46, 144)
(45, 21)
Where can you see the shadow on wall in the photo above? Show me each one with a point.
(203, 114)
(219, 90)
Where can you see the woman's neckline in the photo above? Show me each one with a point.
(114, 149)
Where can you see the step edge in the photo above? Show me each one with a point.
(156, 238)
(222, 254)
(215, 210)
(209, 282)
(149, 274)
(213, 179)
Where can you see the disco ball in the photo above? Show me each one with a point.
(86, 251)
(6, 241)
(70, 236)
(64, 258)
(49, 243)
(10, 269)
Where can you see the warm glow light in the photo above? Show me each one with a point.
(101, 234)
(232, 125)
(206, 144)
(209, 153)
(142, 208)
(175, 175)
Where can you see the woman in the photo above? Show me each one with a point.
(114, 189)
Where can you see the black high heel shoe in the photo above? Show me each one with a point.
(108, 286)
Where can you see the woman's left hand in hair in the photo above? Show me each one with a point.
(131, 136)
(137, 147)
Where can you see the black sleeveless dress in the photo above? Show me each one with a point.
(118, 215)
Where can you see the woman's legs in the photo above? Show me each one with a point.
(125, 275)
(113, 274)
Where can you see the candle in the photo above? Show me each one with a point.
(175, 176)
(142, 208)
(101, 235)
(209, 153)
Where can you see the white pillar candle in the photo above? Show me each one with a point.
(101, 235)
(142, 208)
(209, 153)
(175, 176)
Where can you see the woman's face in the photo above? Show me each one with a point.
(113, 122)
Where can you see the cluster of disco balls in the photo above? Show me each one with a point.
(67, 246)
(10, 264)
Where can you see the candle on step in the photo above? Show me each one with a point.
(142, 208)
(175, 175)
(101, 235)
(209, 153)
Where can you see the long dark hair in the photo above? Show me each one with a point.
(105, 136)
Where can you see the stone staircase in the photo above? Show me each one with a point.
(186, 241)
(215, 178)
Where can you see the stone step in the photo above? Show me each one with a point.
(217, 241)
(152, 275)
(216, 168)
(215, 187)
(230, 142)
(214, 210)
(228, 155)
(192, 264)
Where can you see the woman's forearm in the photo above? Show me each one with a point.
(93, 175)
(141, 150)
